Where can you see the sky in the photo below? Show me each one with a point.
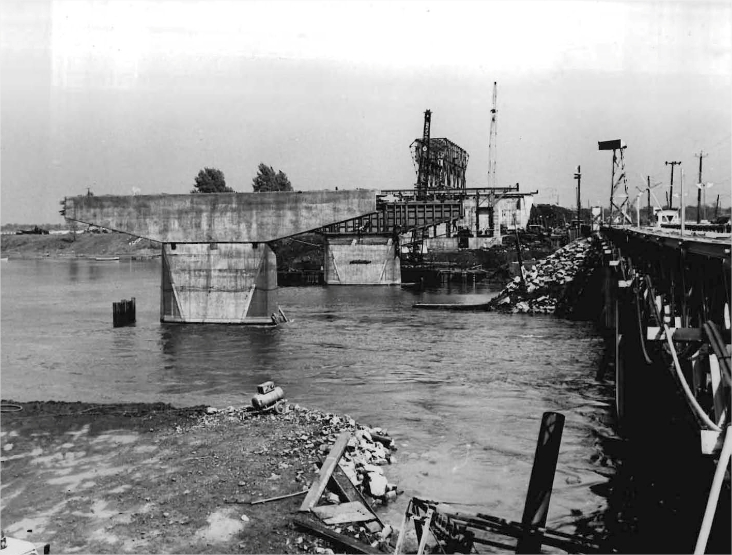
(137, 96)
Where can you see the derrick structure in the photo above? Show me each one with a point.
(441, 166)
(440, 163)
(619, 199)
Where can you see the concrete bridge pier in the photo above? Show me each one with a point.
(219, 283)
(361, 260)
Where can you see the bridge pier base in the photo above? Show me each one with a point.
(354, 260)
(227, 283)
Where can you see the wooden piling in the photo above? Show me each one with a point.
(539, 494)
(124, 313)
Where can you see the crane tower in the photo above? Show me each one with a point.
(492, 140)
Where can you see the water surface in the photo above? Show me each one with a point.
(463, 393)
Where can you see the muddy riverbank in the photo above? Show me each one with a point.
(150, 478)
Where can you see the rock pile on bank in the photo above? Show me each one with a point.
(369, 449)
(552, 280)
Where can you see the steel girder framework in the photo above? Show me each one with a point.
(399, 217)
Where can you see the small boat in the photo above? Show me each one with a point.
(107, 258)
(458, 307)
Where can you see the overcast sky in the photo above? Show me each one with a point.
(122, 95)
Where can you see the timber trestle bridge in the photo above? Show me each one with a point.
(666, 308)
(669, 296)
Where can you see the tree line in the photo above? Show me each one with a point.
(212, 180)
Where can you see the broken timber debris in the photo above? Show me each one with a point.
(457, 532)
(279, 497)
(343, 477)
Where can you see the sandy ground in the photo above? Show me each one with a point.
(155, 479)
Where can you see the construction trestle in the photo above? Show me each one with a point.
(666, 298)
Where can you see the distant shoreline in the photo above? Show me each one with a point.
(85, 246)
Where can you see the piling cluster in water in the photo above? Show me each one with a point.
(548, 283)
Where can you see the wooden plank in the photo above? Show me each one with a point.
(279, 497)
(402, 532)
(541, 482)
(326, 471)
(425, 531)
(351, 491)
(350, 545)
(353, 511)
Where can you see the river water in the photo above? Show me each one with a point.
(462, 393)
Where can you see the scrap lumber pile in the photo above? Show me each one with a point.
(552, 280)
(442, 529)
(336, 506)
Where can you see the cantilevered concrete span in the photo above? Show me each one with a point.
(217, 266)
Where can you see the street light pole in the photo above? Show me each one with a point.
(701, 156)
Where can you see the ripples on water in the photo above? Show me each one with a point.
(463, 393)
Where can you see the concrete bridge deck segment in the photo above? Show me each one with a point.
(216, 264)
(221, 217)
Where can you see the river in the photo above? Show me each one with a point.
(462, 393)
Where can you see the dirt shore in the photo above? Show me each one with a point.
(84, 245)
(157, 479)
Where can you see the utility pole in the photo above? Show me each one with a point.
(492, 139)
(671, 189)
(683, 205)
(701, 157)
(578, 177)
(716, 209)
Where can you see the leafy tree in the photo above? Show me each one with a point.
(268, 180)
(211, 180)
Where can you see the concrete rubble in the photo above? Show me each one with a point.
(549, 282)
(369, 449)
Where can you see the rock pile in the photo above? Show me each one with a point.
(369, 449)
(549, 281)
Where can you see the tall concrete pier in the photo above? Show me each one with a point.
(217, 265)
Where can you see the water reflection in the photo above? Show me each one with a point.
(214, 357)
(73, 271)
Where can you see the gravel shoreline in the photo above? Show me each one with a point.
(152, 478)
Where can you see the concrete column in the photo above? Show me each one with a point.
(365, 261)
(232, 283)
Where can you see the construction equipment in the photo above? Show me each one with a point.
(617, 212)
(441, 164)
